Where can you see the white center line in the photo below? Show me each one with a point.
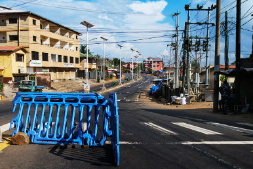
(188, 143)
(231, 127)
(195, 128)
(246, 124)
(159, 128)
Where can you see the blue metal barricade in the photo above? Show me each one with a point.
(155, 88)
(58, 126)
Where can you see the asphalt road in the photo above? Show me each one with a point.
(150, 137)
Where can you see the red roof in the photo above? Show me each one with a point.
(12, 48)
(230, 66)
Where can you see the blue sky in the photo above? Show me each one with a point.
(143, 25)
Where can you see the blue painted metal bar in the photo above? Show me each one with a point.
(43, 129)
(155, 88)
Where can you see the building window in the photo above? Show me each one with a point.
(3, 37)
(35, 55)
(19, 58)
(77, 60)
(34, 22)
(41, 26)
(76, 48)
(65, 59)
(53, 57)
(35, 38)
(13, 20)
(59, 58)
(44, 56)
(76, 37)
(71, 60)
(13, 37)
(2, 20)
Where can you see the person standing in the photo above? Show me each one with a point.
(225, 95)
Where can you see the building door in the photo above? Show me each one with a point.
(17, 80)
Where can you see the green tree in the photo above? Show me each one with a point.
(116, 61)
(233, 63)
(83, 50)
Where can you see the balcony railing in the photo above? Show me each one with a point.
(45, 44)
(2, 24)
(3, 41)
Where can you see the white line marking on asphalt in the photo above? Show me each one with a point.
(246, 124)
(195, 128)
(5, 127)
(220, 142)
(189, 143)
(118, 100)
(159, 128)
(231, 127)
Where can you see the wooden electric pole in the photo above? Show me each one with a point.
(217, 57)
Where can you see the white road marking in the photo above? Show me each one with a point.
(5, 127)
(159, 128)
(118, 100)
(246, 124)
(189, 143)
(195, 128)
(231, 127)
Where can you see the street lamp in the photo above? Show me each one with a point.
(104, 39)
(132, 65)
(137, 65)
(88, 25)
(120, 64)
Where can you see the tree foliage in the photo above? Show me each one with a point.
(83, 49)
(233, 63)
(116, 61)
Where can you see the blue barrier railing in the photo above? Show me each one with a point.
(48, 119)
(155, 88)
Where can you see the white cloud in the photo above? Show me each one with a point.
(103, 16)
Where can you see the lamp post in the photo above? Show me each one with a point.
(104, 39)
(132, 65)
(137, 65)
(120, 64)
(88, 25)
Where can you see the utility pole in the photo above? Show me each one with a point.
(207, 49)
(170, 62)
(176, 51)
(217, 57)
(188, 45)
(184, 53)
(199, 8)
(226, 40)
(238, 52)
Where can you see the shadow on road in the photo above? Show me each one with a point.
(98, 156)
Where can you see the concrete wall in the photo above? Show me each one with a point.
(246, 88)
(8, 60)
(43, 80)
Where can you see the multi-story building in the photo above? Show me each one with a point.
(153, 63)
(52, 48)
(129, 65)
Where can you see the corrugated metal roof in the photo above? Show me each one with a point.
(29, 12)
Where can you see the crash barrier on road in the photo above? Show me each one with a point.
(48, 116)
(156, 87)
